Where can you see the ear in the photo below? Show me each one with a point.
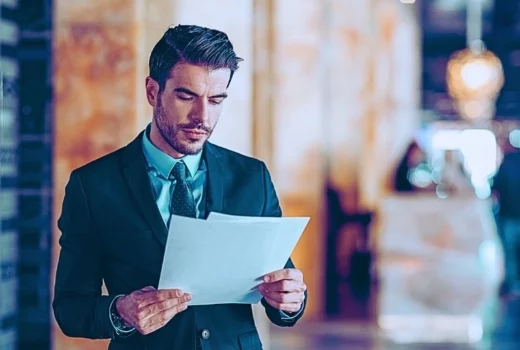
(152, 91)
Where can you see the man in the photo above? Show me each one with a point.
(117, 209)
(506, 187)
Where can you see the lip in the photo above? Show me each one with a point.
(194, 133)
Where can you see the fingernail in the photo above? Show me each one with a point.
(184, 306)
(187, 297)
(267, 278)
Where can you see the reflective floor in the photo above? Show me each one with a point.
(362, 336)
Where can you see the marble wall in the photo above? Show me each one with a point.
(316, 96)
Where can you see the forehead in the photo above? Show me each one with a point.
(199, 78)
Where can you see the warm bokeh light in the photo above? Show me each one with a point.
(474, 80)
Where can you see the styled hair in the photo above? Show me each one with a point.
(194, 45)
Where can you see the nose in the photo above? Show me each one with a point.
(200, 112)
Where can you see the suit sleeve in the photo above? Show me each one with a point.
(272, 209)
(79, 308)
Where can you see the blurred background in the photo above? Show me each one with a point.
(394, 124)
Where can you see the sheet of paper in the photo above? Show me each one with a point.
(289, 232)
(222, 259)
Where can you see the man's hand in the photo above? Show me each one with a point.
(284, 289)
(148, 309)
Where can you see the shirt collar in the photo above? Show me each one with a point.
(164, 163)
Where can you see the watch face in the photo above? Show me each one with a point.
(119, 323)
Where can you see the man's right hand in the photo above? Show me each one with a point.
(148, 309)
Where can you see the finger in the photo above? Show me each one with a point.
(290, 307)
(154, 309)
(284, 297)
(153, 328)
(290, 274)
(156, 296)
(165, 294)
(147, 289)
(162, 317)
(287, 307)
(285, 286)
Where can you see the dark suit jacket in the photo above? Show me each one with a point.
(112, 231)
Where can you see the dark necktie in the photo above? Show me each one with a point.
(182, 203)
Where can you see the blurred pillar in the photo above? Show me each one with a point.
(374, 83)
(97, 48)
(372, 91)
(394, 93)
(295, 118)
(9, 74)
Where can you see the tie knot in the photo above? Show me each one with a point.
(179, 171)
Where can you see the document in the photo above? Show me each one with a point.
(221, 260)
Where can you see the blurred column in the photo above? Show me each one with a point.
(98, 88)
(294, 96)
(393, 116)
(375, 89)
(9, 69)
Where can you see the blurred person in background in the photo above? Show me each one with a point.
(413, 157)
(506, 189)
(116, 213)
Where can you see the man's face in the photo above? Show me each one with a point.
(189, 107)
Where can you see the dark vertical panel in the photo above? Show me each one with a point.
(35, 177)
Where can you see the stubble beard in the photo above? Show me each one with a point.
(170, 133)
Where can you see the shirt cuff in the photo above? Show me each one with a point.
(288, 318)
(122, 332)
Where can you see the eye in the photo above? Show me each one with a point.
(184, 98)
(215, 102)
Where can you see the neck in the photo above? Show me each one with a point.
(158, 141)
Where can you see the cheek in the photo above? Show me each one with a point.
(215, 116)
(177, 111)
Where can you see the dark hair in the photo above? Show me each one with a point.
(195, 45)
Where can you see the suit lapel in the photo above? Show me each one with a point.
(214, 185)
(136, 176)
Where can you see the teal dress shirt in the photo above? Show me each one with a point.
(160, 166)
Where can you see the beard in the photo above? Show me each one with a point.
(172, 133)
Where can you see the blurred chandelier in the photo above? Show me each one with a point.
(474, 76)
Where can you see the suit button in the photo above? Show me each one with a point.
(205, 334)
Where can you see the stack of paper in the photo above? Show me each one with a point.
(222, 259)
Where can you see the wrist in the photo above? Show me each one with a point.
(118, 307)
(120, 326)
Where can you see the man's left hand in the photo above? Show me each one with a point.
(284, 289)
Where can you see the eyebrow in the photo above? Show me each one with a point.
(194, 94)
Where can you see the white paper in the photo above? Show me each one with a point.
(222, 260)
